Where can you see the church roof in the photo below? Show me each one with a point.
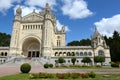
(96, 33)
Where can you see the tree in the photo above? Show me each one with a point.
(74, 43)
(114, 44)
(61, 60)
(83, 42)
(86, 60)
(73, 59)
(4, 39)
(99, 59)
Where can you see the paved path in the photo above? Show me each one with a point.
(8, 70)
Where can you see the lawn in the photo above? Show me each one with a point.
(26, 77)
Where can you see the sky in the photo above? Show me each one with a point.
(80, 17)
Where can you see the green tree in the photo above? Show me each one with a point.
(114, 44)
(99, 59)
(73, 59)
(61, 60)
(83, 42)
(73, 43)
(4, 39)
(86, 60)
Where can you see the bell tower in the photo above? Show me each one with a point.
(98, 40)
(15, 32)
(47, 31)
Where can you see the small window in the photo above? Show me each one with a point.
(58, 37)
(100, 53)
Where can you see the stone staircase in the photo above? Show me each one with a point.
(18, 60)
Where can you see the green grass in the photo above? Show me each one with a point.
(26, 77)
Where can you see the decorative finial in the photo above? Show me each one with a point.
(47, 8)
(34, 10)
(47, 5)
(18, 11)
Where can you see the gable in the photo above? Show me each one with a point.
(32, 17)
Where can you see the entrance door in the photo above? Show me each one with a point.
(29, 54)
(37, 54)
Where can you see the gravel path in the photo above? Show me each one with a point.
(8, 70)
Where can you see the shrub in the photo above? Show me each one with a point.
(86, 75)
(51, 65)
(98, 66)
(46, 65)
(62, 75)
(25, 68)
(113, 64)
(75, 75)
(61, 60)
(73, 59)
(92, 74)
(84, 65)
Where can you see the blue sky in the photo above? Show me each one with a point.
(78, 16)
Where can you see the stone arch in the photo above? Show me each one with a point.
(56, 53)
(68, 54)
(60, 53)
(73, 54)
(31, 47)
(64, 53)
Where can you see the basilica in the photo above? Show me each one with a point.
(35, 36)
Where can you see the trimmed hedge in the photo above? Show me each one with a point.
(48, 65)
(25, 68)
(51, 65)
(113, 64)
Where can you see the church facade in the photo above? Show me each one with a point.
(36, 36)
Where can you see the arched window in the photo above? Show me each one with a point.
(100, 53)
(2, 54)
(81, 53)
(56, 53)
(85, 53)
(5, 53)
(68, 54)
(77, 53)
(64, 53)
(73, 54)
(60, 53)
(89, 54)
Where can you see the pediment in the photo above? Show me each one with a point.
(32, 17)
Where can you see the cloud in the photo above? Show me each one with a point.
(40, 3)
(76, 9)
(107, 26)
(5, 5)
(59, 26)
(26, 10)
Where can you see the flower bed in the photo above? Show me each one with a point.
(63, 75)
